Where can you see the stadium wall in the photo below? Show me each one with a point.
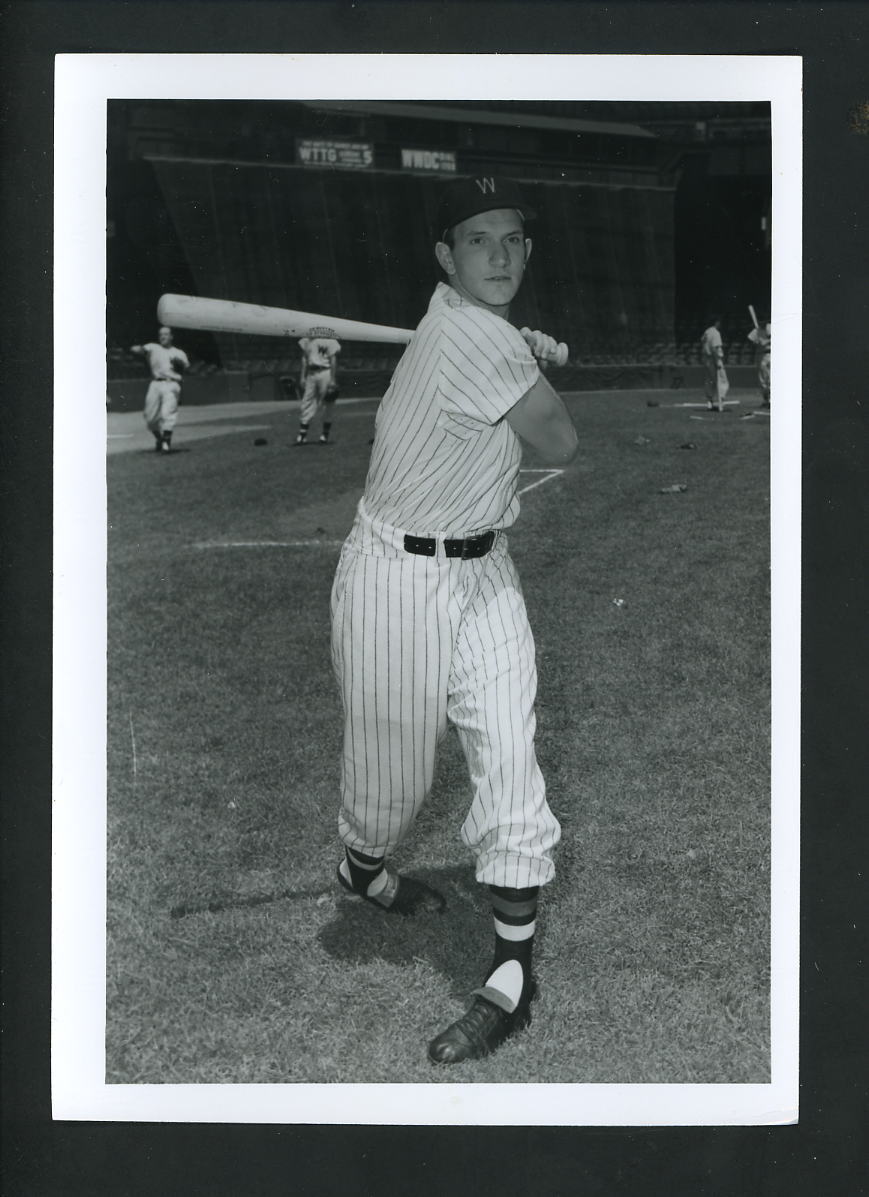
(652, 216)
(360, 244)
(128, 394)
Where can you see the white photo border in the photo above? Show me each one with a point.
(83, 85)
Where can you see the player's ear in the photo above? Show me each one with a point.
(445, 257)
(527, 249)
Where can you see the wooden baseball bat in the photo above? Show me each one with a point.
(227, 315)
(753, 317)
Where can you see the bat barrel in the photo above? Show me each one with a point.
(251, 319)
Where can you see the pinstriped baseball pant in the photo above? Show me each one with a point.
(161, 405)
(418, 642)
(314, 395)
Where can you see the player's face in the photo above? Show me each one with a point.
(487, 260)
(164, 336)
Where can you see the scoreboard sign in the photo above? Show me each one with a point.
(314, 152)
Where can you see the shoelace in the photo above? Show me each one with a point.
(479, 1021)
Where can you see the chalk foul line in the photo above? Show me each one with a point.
(267, 544)
(705, 406)
(548, 475)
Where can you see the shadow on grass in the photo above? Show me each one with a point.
(231, 901)
(456, 943)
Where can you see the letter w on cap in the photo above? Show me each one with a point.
(486, 185)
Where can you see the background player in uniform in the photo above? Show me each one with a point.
(319, 381)
(428, 619)
(166, 363)
(712, 355)
(761, 336)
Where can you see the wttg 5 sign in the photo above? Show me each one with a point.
(356, 154)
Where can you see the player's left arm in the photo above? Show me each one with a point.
(303, 363)
(180, 363)
(541, 419)
(333, 363)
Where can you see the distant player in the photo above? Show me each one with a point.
(429, 625)
(319, 381)
(761, 336)
(166, 363)
(712, 356)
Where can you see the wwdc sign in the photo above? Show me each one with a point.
(443, 160)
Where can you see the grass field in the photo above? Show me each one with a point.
(232, 958)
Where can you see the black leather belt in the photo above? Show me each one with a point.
(473, 546)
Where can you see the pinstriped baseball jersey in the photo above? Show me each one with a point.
(444, 461)
(318, 351)
(419, 641)
(162, 359)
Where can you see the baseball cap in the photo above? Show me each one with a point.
(464, 198)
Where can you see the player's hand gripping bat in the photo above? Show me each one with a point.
(545, 348)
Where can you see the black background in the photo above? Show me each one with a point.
(826, 1153)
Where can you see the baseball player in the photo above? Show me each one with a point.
(712, 355)
(428, 619)
(318, 378)
(761, 336)
(166, 363)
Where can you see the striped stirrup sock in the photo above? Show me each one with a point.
(515, 914)
(366, 874)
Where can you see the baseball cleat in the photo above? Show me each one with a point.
(480, 1031)
(401, 895)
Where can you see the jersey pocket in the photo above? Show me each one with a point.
(463, 427)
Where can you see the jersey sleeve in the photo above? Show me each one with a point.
(486, 365)
(333, 347)
(178, 355)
